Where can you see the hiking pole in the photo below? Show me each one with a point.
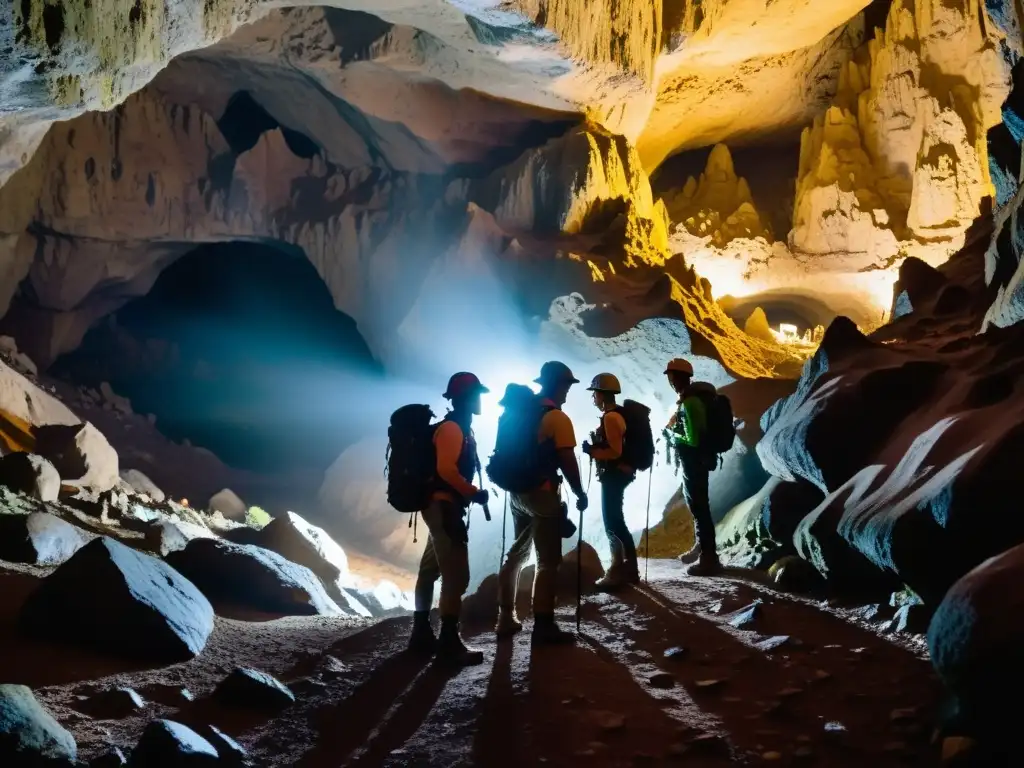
(504, 518)
(579, 569)
(480, 480)
(647, 525)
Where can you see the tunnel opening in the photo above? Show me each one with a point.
(781, 308)
(239, 349)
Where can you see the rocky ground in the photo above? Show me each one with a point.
(721, 670)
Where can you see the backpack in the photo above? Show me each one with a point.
(638, 444)
(721, 426)
(411, 458)
(519, 463)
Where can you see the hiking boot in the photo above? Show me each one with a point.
(451, 649)
(547, 632)
(706, 566)
(631, 572)
(422, 642)
(690, 556)
(613, 579)
(508, 624)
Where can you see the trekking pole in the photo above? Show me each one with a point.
(504, 518)
(480, 480)
(579, 569)
(590, 475)
(647, 525)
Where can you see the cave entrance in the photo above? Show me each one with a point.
(238, 348)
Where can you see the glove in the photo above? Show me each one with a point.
(582, 503)
(587, 447)
(480, 497)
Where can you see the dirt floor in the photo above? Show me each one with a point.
(833, 693)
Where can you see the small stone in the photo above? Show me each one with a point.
(746, 616)
(676, 652)
(114, 704)
(834, 727)
(708, 683)
(661, 680)
(252, 689)
(710, 743)
(772, 643)
(771, 756)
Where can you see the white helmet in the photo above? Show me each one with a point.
(605, 382)
(679, 365)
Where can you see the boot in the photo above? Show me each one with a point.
(451, 649)
(547, 632)
(508, 624)
(690, 556)
(631, 572)
(422, 642)
(708, 565)
(614, 577)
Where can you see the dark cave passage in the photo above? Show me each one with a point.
(239, 349)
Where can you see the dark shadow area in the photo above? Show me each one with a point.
(238, 348)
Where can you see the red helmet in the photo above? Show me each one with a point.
(462, 384)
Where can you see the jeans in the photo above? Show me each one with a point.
(446, 557)
(537, 520)
(613, 489)
(696, 470)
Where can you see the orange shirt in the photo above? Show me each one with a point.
(448, 445)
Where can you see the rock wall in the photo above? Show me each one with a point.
(902, 152)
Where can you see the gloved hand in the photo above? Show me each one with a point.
(582, 503)
(587, 447)
(480, 497)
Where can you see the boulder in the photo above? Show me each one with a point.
(228, 504)
(120, 601)
(252, 689)
(81, 454)
(112, 704)
(167, 744)
(253, 577)
(39, 538)
(785, 506)
(29, 736)
(975, 639)
(142, 484)
(166, 535)
(302, 542)
(31, 475)
(229, 750)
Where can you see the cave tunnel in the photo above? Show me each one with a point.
(805, 312)
(239, 349)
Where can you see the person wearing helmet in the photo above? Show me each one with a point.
(614, 475)
(538, 515)
(684, 432)
(446, 556)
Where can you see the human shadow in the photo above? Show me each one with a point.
(496, 742)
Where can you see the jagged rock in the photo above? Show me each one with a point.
(112, 704)
(294, 538)
(167, 744)
(166, 536)
(757, 326)
(253, 689)
(31, 475)
(785, 506)
(228, 504)
(80, 453)
(142, 484)
(229, 750)
(39, 538)
(113, 504)
(252, 576)
(120, 601)
(29, 736)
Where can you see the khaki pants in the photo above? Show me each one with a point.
(446, 557)
(537, 520)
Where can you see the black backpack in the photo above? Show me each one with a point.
(721, 426)
(519, 463)
(411, 458)
(638, 444)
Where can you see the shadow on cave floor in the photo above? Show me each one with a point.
(799, 680)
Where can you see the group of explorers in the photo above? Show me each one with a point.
(431, 469)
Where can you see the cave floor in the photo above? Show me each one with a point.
(835, 693)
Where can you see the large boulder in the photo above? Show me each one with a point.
(170, 535)
(140, 483)
(253, 577)
(39, 538)
(785, 506)
(228, 504)
(167, 744)
(975, 640)
(302, 542)
(31, 475)
(29, 736)
(81, 454)
(119, 601)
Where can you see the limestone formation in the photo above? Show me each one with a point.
(718, 205)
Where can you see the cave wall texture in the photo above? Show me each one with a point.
(490, 158)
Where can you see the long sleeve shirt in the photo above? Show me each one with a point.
(613, 427)
(449, 443)
(689, 423)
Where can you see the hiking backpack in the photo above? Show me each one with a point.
(519, 463)
(638, 443)
(411, 458)
(721, 427)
